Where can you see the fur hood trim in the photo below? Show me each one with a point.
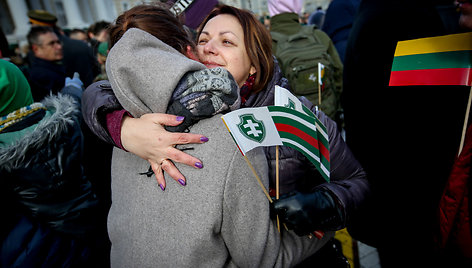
(64, 110)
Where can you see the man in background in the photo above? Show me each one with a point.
(78, 56)
(46, 72)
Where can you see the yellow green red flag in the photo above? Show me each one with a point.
(440, 60)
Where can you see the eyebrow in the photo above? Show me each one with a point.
(221, 33)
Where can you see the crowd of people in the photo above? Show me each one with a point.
(95, 124)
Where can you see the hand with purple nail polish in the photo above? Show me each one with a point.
(147, 138)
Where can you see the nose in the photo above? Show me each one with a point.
(210, 48)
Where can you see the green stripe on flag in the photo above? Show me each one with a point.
(311, 119)
(309, 147)
(440, 60)
(302, 127)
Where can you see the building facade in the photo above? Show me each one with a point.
(70, 14)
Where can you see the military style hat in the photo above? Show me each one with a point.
(41, 17)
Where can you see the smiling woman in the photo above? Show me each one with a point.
(216, 38)
(228, 44)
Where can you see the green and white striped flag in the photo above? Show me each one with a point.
(278, 125)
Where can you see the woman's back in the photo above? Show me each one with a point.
(221, 218)
(195, 225)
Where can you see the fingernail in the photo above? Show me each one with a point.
(199, 165)
(162, 187)
(204, 139)
(180, 118)
(182, 182)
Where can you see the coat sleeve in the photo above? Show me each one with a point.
(249, 233)
(348, 180)
(98, 100)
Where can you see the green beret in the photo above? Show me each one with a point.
(42, 17)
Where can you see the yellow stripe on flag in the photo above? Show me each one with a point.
(451, 42)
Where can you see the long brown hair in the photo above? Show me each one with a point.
(155, 19)
(256, 39)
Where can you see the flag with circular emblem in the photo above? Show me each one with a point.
(278, 125)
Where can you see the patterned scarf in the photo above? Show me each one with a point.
(202, 94)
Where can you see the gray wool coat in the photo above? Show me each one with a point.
(221, 218)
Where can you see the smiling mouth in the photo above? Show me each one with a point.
(211, 64)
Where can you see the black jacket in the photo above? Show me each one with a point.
(45, 77)
(49, 209)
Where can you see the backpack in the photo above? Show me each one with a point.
(298, 56)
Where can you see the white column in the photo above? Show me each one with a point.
(105, 10)
(72, 11)
(19, 12)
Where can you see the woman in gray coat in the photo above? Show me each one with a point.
(336, 201)
(223, 219)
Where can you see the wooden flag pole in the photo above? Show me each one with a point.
(464, 129)
(277, 181)
(258, 179)
(319, 95)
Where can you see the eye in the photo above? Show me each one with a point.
(227, 42)
(202, 41)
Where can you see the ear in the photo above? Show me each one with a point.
(34, 48)
(252, 70)
(190, 53)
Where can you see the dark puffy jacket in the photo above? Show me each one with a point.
(49, 209)
(348, 179)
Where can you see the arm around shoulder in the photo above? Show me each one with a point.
(98, 101)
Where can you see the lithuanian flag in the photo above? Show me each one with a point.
(441, 60)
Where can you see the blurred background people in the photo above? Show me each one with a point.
(338, 21)
(50, 213)
(78, 56)
(78, 34)
(98, 33)
(317, 17)
(46, 71)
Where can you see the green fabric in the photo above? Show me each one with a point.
(8, 138)
(439, 60)
(15, 91)
(103, 49)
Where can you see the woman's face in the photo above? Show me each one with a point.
(221, 44)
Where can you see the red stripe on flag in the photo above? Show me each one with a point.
(304, 136)
(439, 77)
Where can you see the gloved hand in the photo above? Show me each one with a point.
(75, 81)
(305, 213)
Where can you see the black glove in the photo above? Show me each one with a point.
(308, 212)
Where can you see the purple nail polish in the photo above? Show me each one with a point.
(204, 139)
(180, 118)
(182, 182)
(162, 187)
(199, 165)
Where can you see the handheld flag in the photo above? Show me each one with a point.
(441, 60)
(321, 74)
(275, 125)
(283, 97)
